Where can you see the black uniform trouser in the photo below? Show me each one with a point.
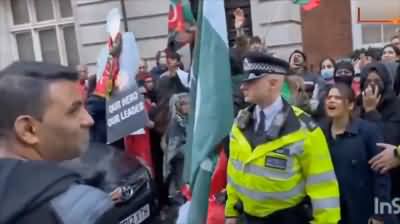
(299, 214)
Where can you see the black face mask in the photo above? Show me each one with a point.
(347, 80)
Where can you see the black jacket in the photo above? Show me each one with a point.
(350, 154)
(397, 80)
(168, 86)
(42, 192)
(387, 115)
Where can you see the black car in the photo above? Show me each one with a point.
(109, 169)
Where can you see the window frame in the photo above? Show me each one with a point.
(34, 27)
(357, 31)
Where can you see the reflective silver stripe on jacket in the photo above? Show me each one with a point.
(325, 203)
(81, 204)
(296, 148)
(289, 151)
(262, 171)
(262, 196)
(320, 178)
(292, 150)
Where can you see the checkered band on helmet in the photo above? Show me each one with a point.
(262, 67)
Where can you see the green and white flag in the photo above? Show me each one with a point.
(212, 113)
(180, 21)
(301, 2)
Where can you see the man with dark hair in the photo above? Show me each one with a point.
(174, 80)
(161, 65)
(395, 40)
(256, 44)
(43, 121)
(314, 85)
(373, 54)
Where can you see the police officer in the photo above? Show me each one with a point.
(279, 159)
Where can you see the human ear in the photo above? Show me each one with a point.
(26, 129)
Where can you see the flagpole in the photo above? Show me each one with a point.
(194, 5)
(124, 16)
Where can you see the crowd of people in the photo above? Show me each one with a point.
(167, 104)
(353, 99)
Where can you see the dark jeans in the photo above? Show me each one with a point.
(96, 107)
(282, 220)
(158, 155)
(300, 214)
(175, 180)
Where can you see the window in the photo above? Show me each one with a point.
(70, 44)
(44, 31)
(230, 6)
(371, 35)
(377, 33)
(20, 11)
(25, 46)
(389, 31)
(49, 48)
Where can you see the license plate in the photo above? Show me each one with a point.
(139, 216)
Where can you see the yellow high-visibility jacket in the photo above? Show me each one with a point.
(280, 173)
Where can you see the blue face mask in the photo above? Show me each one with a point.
(327, 74)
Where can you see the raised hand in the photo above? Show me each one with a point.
(371, 98)
(239, 18)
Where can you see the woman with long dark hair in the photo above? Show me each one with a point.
(390, 53)
(352, 143)
(391, 59)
